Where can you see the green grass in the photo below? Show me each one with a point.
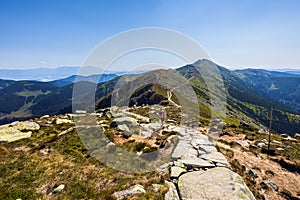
(23, 174)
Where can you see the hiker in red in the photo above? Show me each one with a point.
(163, 116)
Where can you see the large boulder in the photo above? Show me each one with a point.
(215, 183)
(128, 121)
(125, 124)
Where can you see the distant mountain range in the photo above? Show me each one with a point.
(51, 74)
(251, 94)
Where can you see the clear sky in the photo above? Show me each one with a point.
(236, 34)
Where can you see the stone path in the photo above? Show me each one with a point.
(199, 171)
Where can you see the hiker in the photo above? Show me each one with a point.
(163, 116)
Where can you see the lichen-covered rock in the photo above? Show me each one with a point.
(25, 126)
(177, 171)
(215, 183)
(136, 189)
(17, 130)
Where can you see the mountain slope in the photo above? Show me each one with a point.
(17, 99)
(282, 87)
(243, 100)
(243, 97)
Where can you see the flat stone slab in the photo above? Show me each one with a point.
(208, 149)
(197, 143)
(215, 183)
(181, 148)
(196, 162)
(215, 157)
(190, 153)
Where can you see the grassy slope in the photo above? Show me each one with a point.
(33, 175)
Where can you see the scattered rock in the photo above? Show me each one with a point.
(267, 184)
(243, 143)
(23, 148)
(136, 189)
(276, 142)
(152, 127)
(123, 127)
(108, 115)
(253, 173)
(63, 121)
(142, 119)
(66, 131)
(172, 192)
(177, 171)
(215, 183)
(45, 151)
(57, 189)
(284, 135)
(45, 116)
(288, 147)
(261, 145)
(297, 135)
(290, 139)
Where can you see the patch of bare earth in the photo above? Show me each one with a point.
(265, 168)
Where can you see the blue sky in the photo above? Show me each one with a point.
(236, 34)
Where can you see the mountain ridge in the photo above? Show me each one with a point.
(242, 97)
